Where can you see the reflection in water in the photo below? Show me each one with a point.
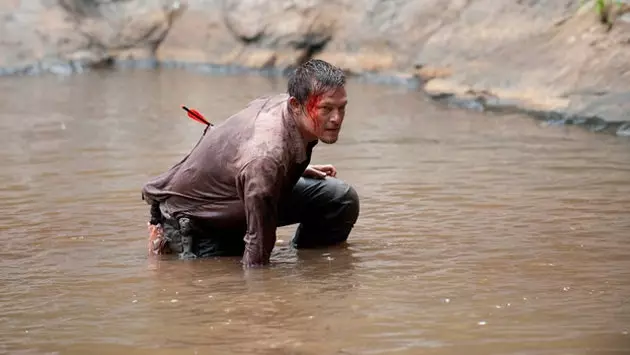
(478, 234)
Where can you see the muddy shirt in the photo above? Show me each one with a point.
(238, 174)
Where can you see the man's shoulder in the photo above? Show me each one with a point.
(258, 109)
(267, 144)
(262, 162)
(264, 147)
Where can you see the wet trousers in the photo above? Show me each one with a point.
(326, 210)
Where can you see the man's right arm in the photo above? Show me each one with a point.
(259, 184)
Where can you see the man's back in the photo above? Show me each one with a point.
(204, 183)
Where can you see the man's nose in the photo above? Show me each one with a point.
(336, 117)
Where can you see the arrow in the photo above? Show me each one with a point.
(196, 116)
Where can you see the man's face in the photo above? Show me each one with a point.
(324, 114)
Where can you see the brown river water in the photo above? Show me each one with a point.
(478, 233)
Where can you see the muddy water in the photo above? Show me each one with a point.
(479, 234)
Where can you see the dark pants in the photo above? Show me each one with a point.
(326, 210)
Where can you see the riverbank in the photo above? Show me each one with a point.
(550, 59)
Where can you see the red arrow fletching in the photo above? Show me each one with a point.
(195, 115)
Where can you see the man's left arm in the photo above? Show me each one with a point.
(259, 184)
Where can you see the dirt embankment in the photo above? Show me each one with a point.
(547, 57)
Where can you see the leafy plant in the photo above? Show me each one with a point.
(604, 9)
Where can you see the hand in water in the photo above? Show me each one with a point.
(157, 242)
(320, 171)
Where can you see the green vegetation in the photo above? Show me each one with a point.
(607, 10)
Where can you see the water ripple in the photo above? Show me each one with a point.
(478, 233)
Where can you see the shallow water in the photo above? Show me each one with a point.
(478, 234)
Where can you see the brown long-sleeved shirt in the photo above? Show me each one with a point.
(238, 173)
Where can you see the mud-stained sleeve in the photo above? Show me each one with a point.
(259, 184)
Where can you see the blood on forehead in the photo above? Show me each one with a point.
(311, 105)
(311, 109)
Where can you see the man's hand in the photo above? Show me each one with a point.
(320, 171)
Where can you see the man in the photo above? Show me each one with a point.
(251, 174)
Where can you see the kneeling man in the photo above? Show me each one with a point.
(251, 174)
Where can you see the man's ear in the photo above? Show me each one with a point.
(294, 104)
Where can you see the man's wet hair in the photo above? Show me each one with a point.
(314, 77)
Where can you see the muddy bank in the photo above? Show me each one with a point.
(549, 58)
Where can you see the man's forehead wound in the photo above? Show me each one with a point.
(312, 102)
